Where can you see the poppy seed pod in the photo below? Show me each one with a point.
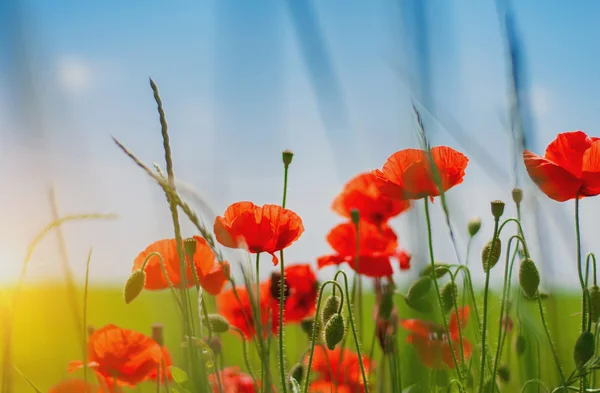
(449, 294)
(276, 286)
(286, 157)
(189, 246)
(584, 349)
(334, 331)
(355, 216)
(474, 225)
(218, 323)
(297, 372)
(134, 285)
(517, 195)
(529, 278)
(331, 307)
(418, 289)
(520, 344)
(157, 334)
(491, 253)
(497, 209)
(595, 303)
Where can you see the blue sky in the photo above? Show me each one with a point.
(242, 81)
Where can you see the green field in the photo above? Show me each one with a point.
(46, 337)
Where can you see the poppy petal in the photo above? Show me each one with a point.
(567, 151)
(216, 279)
(463, 314)
(554, 181)
(418, 327)
(591, 170)
(329, 260)
(371, 265)
(451, 165)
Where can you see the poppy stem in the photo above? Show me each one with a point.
(246, 359)
(437, 287)
(85, 303)
(282, 293)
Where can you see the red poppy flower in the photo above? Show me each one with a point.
(232, 381)
(362, 193)
(328, 387)
(326, 364)
(431, 343)
(407, 174)
(570, 167)
(268, 228)
(303, 293)
(212, 275)
(163, 370)
(377, 246)
(239, 313)
(74, 386)
(121, 355)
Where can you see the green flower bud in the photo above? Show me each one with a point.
(330, 308)
(529, 278)
(418, 289)
(504, 373)
(440, 270)
(517, 195)
(449, 294)
(134, 285)
(218, 323)
(497, 209)
(491, 252)
(584, 349)
(422, 305)
(474, 225)
(355, 216)
(520, 344)
(286, 157)
(334, 331)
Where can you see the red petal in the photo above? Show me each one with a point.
(554, 181)
(567, 151)
(591, 170)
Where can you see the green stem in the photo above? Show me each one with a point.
(282, 296)
(246, 360)
(85, 304)
(552, 349)
(437, 287)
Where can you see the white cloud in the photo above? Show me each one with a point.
(74, 74)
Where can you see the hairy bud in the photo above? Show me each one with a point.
(517, 195)
(529, 278)
(218, 323)
(474, 225)
(449, 294)
(491, 254)
(331, 307)
(418, 289)
(595, 303)
(334, 331)
(134, 285)
(584, 349)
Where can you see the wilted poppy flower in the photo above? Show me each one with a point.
(212, 275)
(268, 228)
(232, 381)
(376, 247)
(407, 174)
(74, 386)
(570, 167)
(431, 343)
(121, 355)
(162, 370)
(302, 299)
(362, 193)
(239, 313)
(326, 364)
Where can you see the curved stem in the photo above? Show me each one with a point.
(459, 322)
(552, 349)
(485, 305)
(314, 332)
(246, 360)
(539, 382)
(351, 317)
(437, 287)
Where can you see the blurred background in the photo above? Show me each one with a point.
(334, 81)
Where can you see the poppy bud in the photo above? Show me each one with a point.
(595, 303)
(215, 345)
(355, 216)
(504, 373)
(286, 157)
(307, 326)
(517, 195)
(529, 278)
(334, 331)
(440, 270)
(297, 372)
(418, 289)
(491, 252)
(157, 334)
(421, 305)
(449, 294)
(134, 285)
(189, 246)
(474, 225)
(276, 286)
(497, 209)
(520, 344)
(386, 305)
(584, 349)
(218, 323)
(331, 307)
